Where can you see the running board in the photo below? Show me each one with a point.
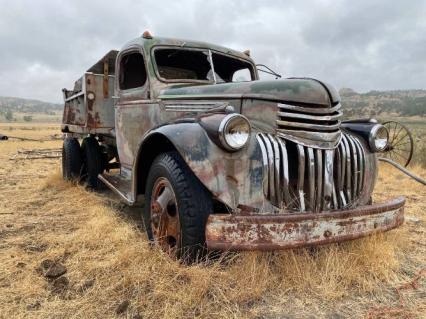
(119, 185)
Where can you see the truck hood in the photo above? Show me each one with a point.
(293, 90)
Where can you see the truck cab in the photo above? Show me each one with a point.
(220, 159)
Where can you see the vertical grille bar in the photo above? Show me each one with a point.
(301, 176)
(328, 178)
(339, 174)
(319, 172)
(311, 177)
(355, 172)
(271, 163)
(265, 169)
(335, 202)
(361, 165)
(341, 181)
(277, 165)
(285, 173)
(348, 169)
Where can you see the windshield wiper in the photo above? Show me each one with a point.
(268, 70)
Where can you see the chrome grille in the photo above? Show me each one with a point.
(309, 124)
(302, 178)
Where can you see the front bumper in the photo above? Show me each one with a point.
(273, 232)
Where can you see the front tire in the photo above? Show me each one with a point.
(176, 209)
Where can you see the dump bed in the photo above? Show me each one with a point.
(89, 107)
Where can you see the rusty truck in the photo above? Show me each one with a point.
(219, 159)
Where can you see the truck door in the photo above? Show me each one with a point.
(135, 113)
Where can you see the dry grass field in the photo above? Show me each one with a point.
(112, 272)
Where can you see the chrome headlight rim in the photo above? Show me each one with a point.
(223, 127)
(373, 136)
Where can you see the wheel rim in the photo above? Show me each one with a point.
(165, 223)
(400, 146)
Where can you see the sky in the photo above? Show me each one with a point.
(46, 45)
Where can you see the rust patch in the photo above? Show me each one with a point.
(90, 105)
(283, 231)
(90, 120)
(105, 80)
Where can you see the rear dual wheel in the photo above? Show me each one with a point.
(82, 163)
(176, 209)
(92, 163)
(71, 159)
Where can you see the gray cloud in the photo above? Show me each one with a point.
(46, 45)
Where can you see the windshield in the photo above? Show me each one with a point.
(229, 69)
(188, 65)
(181, 64)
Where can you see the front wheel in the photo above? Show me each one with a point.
(176, 209)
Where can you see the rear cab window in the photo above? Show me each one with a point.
(132, 71)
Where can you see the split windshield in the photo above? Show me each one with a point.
(188, 65)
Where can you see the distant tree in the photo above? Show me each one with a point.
(9, 115)
(28, 118)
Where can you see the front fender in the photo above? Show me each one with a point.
(233, 178)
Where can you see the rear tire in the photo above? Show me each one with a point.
(92, 162)
(192, 206)
(71, 159)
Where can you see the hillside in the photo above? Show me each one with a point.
(14, 109)
(383, 103)
(16, 104)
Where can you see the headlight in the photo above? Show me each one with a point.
(378, 138)
(234, 131)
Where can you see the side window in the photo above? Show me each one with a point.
(132, 71)
(242, 75)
